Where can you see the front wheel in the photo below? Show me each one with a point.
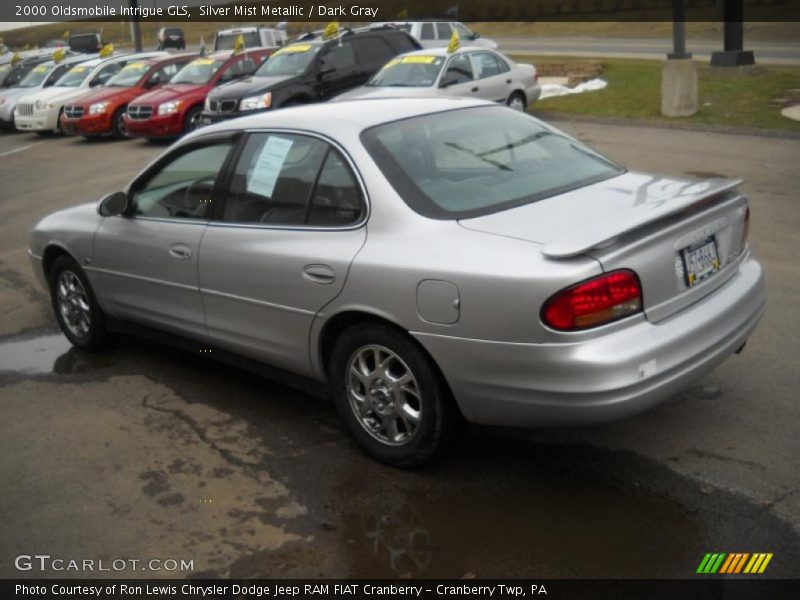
(390, 396)
(119, 130)
(75, 306)
(193, 119)
(516, 101)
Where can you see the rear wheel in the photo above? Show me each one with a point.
(75, 306)
(516, 101)
(390, 396)
(118, 128)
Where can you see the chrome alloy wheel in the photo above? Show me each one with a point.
(384, 395)
(73, 304)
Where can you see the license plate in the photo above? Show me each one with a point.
(700, 261)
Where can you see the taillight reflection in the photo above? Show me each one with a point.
(594, 302)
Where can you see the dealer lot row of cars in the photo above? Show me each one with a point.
(162, 95)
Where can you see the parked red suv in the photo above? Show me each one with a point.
(174, 109)
(101, 111)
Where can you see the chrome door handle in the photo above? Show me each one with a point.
(180, 251)
(319, 274)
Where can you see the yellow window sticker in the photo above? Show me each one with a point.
(40, 70)
(293, 48)
(425, 60)
(138, 66)
(77, 69)
(203, 61)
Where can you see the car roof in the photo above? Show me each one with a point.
(442, 51)
(337, 118)
(71, 60)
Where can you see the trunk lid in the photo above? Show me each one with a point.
(660, 227)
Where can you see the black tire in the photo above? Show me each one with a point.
(516, 100)
(96, 336)
(118, 129)
(190, 121)
(438, 417)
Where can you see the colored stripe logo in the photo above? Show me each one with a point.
(734, 563)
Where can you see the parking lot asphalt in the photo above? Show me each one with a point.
(149, 452)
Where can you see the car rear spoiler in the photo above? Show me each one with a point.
(605, 231)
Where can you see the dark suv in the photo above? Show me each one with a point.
(171, 37)
(85, 43)
(309, 69)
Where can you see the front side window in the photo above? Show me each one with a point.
(463, 32)
(459, 70)
(292, 180)
(182, 188)
(471, 162)
(164, 74)
(57, 73)
(339, 57)
(106, 73)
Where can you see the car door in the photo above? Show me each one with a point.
(146, 260)
(281, 247)
(491, 77)
(457, 77)
(338, 70)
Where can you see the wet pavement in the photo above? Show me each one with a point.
(144, 451)
(251, 479)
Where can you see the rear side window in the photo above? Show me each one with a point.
(292, 180)
(487, 65)
(403, 43)
(427, 32)
(373, 50)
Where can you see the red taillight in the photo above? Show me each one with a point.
(746, 227)
(594, 302)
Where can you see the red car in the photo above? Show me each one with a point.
(101, 111)
(174, 109)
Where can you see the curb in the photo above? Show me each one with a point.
(708, 128)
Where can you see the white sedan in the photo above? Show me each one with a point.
(468, 72)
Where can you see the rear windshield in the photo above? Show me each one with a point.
(408, 71)
(173, 32)
(227, 41)
(199, 71)
(477, 161)
(289, 60)
(74, 77)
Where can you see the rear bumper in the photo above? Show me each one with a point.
(155, 126)
(606, 378)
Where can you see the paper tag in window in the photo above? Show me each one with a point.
(268, 166)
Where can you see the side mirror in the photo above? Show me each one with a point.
(448, 79)
(475, 36)
(113, 205)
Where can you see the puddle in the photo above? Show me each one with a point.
(46, 354)
(556, 531)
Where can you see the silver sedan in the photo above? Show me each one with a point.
(426, 260)
(470, 72)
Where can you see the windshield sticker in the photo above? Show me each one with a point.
(268, 166)
(77, 69)
(40, 70)
(203, 61)
(412, 60)
(134, 67)
(293, 49)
